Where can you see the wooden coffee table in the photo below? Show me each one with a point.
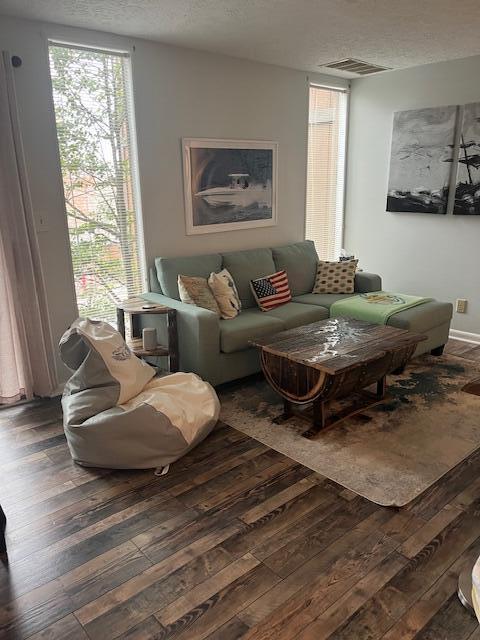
(330, 359)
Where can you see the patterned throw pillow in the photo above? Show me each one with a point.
(271, 291)
(196, 291)
(223, 288)
(335, 277)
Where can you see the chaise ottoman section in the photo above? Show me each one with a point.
(432, 319)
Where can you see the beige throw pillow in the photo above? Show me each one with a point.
(196, 291)
(226, 294)
(335, 277)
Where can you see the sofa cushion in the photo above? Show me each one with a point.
(423, 317)
(168, 270)
(321, 299)
(245, 266)
(367, 282)
(299, 260)
(236, 333)
(295, 315)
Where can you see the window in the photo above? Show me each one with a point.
(93, 112)
(327, 120)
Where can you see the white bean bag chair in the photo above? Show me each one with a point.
(117, 414)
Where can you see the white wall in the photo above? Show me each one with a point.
(433, 255)
(178, 92)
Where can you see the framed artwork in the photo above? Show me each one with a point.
(229, 184)
(467, 179)
(422, 155)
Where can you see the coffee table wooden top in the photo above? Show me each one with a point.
(337, 344)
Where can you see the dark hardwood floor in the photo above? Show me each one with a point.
(237, 541)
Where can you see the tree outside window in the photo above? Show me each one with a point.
(90, 95)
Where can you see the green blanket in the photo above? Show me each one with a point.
(377, 307)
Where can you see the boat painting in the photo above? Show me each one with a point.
(229, 184)
(421, 157)
(467, 187)
(240, 193)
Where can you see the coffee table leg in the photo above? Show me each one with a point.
(382, 387)
(287, 412)
(319, 418)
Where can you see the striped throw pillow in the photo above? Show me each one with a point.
(271, 291)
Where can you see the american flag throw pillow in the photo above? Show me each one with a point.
(271, 291)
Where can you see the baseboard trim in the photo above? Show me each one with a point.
(465, 336)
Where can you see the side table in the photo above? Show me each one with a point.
(133, 307)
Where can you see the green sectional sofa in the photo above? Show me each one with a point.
(218, 350)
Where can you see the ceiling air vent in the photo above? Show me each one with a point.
(355, 66)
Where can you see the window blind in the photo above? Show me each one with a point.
(327, 119)
(94, 119)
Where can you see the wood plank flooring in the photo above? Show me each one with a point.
(237, 541)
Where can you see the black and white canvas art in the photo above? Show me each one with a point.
(421, 160)
(467, 187)
(229, 184)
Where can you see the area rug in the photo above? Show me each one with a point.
(390, 453)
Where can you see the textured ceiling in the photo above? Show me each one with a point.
(301, 34)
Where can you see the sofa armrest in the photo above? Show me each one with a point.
(366, 282)
(198, 334)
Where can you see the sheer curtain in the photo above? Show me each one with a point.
(27, 366)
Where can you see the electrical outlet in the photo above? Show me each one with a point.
(41, 222)
(461, 306)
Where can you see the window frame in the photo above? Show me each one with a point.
(128, 54)
(347, 91)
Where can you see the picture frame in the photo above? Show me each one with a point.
(422, 160)
(466, 200)
(229, 184)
